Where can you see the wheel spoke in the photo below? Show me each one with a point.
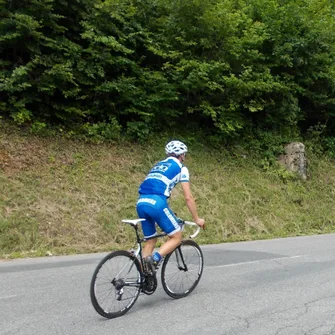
(116, 277)
(177, 281)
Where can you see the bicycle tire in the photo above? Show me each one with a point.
(178, 282)
(107, 281)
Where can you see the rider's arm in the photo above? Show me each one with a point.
(190, 202)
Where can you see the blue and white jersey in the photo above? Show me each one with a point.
(164, 176)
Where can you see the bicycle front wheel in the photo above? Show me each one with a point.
(182, 269)
(116, 284)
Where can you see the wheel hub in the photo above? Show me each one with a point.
(118, 284)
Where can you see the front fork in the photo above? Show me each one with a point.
(180, 260)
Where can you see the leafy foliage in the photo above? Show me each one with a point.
(234, 67)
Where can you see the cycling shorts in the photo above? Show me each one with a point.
(154, 209)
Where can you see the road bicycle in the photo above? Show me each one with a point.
(122, 275)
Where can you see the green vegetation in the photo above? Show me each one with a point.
(127, 66)
(93, 84)
(68, 196)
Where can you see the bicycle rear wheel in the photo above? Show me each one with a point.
(182, 269)
(115, 284)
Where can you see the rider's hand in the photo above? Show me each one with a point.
(200, 222)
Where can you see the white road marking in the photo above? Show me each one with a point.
(8, 297)
(251, 262)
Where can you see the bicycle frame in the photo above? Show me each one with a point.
(138, 252)
(131, 276)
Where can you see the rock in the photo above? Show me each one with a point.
(294, 159)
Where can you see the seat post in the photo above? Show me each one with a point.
(137, 234)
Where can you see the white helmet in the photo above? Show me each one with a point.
(175, 147)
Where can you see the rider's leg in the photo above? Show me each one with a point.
(171, 244)
(148, 226)
(169, 224)
(149, 247)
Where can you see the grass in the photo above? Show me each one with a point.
(64, 196)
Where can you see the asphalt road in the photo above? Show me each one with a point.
(273, 287)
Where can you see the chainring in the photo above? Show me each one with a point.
(150, 284)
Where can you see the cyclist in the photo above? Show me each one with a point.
(152, 204)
